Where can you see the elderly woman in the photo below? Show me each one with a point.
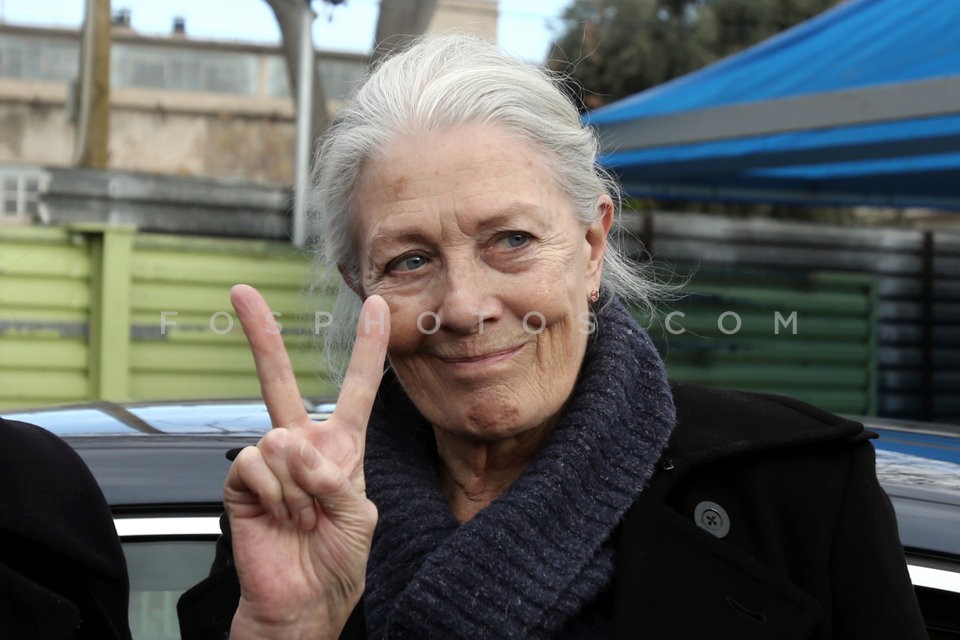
(524, 469)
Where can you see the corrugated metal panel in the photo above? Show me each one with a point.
(944, 328)
(44, 309)
(64, 293)
(810, 336)
(918, 289)
(186, 340)
(97, 311)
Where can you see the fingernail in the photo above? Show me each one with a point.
(307, 518)
(311, 460)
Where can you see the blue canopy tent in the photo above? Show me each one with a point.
(859, 105)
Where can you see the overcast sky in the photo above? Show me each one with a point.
(524, 25)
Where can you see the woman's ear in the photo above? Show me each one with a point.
(596, 237)
(349, 281)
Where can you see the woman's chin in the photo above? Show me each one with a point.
(478, 415)
(483, 401)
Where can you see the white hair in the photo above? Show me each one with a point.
(439, 82)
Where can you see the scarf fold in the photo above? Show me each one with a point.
(540, 554)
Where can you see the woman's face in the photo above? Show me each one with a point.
(487, 274)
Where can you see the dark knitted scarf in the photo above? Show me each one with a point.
(534, 562)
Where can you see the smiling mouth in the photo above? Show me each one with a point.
(489, 357)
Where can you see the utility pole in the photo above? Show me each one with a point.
(93, 114)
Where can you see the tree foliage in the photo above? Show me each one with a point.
(615, 48)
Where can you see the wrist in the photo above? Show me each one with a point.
(247, 625)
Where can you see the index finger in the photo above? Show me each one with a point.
(359, 389)
(277, 382)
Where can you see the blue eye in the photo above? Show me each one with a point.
(516, 240)
(407, 263)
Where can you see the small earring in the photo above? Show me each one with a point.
(594, 295)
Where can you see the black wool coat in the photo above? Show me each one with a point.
(805, 544)
(764, 520)
(62, 571)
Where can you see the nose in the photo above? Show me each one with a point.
(470, 298)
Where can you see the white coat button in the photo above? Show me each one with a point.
(711, 517)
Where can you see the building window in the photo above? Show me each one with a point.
(183, 70)
(20, 192)
(38, 58)
(184, 67)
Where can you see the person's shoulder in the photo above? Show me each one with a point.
(14, 431)
(715, 422)
(17, 437)
(51, 464)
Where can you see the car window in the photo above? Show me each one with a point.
(160, 571)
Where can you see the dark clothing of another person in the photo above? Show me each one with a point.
(62, 570)
(761, 517)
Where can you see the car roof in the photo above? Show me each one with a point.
(159, 470)
(160, 453)
(918, 464)
(917, 454)
(197, 417)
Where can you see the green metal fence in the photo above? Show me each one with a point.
(45, 302)
(810, 336)
(95, 312)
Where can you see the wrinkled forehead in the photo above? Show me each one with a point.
(474, 173)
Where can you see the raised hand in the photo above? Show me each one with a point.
(299, 515)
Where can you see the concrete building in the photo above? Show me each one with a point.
(179, 106)
(475, 16)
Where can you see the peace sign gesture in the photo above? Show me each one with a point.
(300, 519)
